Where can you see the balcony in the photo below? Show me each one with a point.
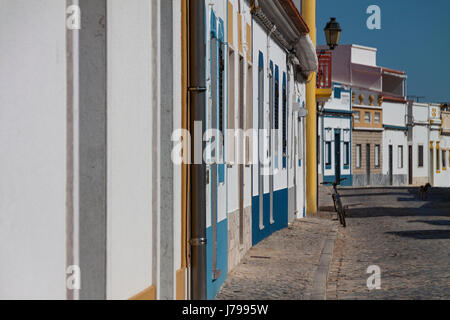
(324, 79)
(324, 76)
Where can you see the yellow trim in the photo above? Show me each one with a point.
(147, 294)
(324, 93)
(240, 41)
(309, 15)
(180, 284)
(185, 125)
(249, 42)
(230, 24)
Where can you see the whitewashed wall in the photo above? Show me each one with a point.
(130, 268)
(278, 56)
(232, 172)
(420, 137)
(33, 144)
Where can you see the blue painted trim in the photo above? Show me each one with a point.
(213, 24)
(337, 92)
(276, 113)
(280, 215)
(386, 126)
(221, 30)
(285, 120)
(213, 287)
(346, 183)
(221, 37)
(261, 60)
(343, 112)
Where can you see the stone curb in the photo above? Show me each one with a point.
(321, 275)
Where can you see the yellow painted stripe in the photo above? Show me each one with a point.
(240, 41)
(230, 24)
(181, 284)
(147, 294)
(249, 42)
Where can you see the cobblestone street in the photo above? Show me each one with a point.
(282, 267)
(408, 239)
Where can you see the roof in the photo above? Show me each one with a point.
(387, 70)
(294, 15)
(394, 99)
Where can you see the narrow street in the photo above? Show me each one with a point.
(408, 239)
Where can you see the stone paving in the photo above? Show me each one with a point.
(408, 239)
(281, 267)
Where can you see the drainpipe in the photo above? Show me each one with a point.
(197, 100)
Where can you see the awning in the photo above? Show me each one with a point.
(291, 30)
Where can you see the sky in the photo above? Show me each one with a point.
(414, 37)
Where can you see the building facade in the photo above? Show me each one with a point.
(418, 143)
(335, 137)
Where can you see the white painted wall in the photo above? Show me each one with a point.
(420, 137)
(177, 175)
(232, 171)
(130, 112)
(395, 138)
(364, 55)
(394, 114)
(33, 144)
(278, 56)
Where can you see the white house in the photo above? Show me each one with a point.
(335, 134)
(439, 148)
(395, 134)
(418, 143)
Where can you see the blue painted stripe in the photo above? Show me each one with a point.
(213, 287)
(346, 183)
(386, 126)
(280, 214)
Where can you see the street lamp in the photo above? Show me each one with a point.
(332, 33)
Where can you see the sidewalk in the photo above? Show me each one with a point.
(292, 264)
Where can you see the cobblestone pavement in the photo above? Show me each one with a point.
(408, 239)
(281, 267)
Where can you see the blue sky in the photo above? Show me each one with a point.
(414, 37)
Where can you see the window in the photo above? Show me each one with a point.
(284, 119)
(231, 114)
(377, 117)
(377, 156)
(357, 116)
(346, 153)
(328, 154)
(358, 156)
(337, 93)
(400, 157)
(444, 160)
(276, 116)
(241, 107)
(249, 115)
(438, 160)
(420, 156)
(368, 117)
(319, 159)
